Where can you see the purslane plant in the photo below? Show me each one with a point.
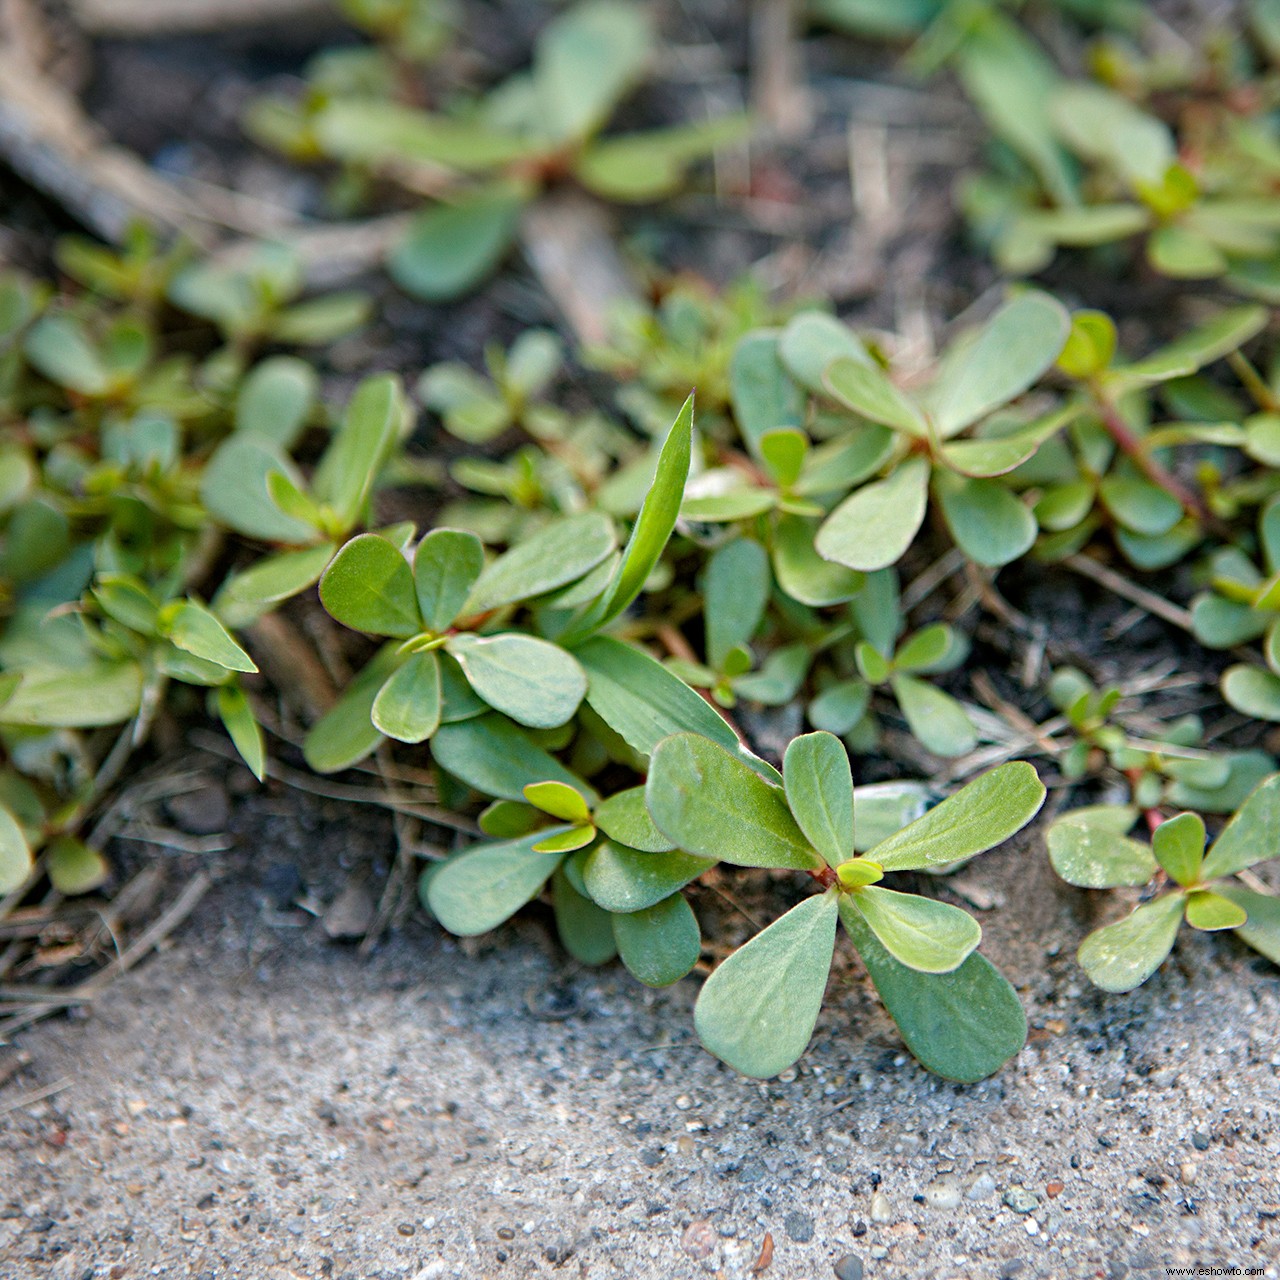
(1089, 848)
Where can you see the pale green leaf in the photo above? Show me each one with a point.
(533, 681)
(935, 718)
(873, 528)
(921, 933)
(819, 791)
(450, 249)
(368, 586)
(1089, 848)
(624, 818)
(867, 390)
(1252, 835)
(1178, 845)
(660, 944)
(1122, 956)
(407, 707)
(1211, 912)
(625, 880)
(446, 566)
(477, 890)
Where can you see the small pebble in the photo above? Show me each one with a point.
(944, 1195)
(880, 1211)
(849, 1267)
(1020, 1200)
(699, 1239)
(799, 1226)
(684, 1102)
(1053, 1189)
(1200, 1140)
(1188, 1171)
(984, 1186)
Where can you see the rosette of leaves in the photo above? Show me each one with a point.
(980, 374)
(1165, 767)
(494, 155)
(1201, 214)
(1113, 466)
(1089, 848)
(455, 656)
(757, 1011)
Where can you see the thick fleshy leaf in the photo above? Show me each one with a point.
(244, 597)
(560, 801)
(936, 719)
(586, 61)
(1227, 331)
(446, 566)
(660, 944)
(344, 479)
(585, 930)
(757, 1011)
(1122, 956)
(1222, 624)
(922, 933)
(480, 888)
(15, 853)
(652, 529)
(1178, 845)
(963, 1025)
(624, 818)
(625, 880)
(1139, 505)
(1253, 690)
(868, 391)
(1252, 836)
(407, 707)
(836, 466)
(735, 589)
(1211, 911)
(371, 131)
(812, 342)
(711, 803)
(1001, 361)
(982, 814)
(802, 573)
(553, 557)
(1089, 848)
(643, 702)
(762, 393)
(780, 676)
(234, 490)
(536, 683)
(639, 167)
(498, 759)
(819, 790)
(840, 707)
(368, 586)
(72, 866)
(882, 808)
(450, 249)
(1262, 929)
(195, 630)
(1102, 125)
(997, 455)
(275, 399)
(990, 523)
(98, 693)
(872, 528)
(346, 733)
(566, 841)
(242, 728)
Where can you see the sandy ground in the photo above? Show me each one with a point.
(258, 1102)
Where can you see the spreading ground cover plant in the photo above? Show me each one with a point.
(604, 640)
(482, 159)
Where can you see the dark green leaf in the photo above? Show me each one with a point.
(660, 944)
(498, 759)
(480, 888)
(369, 586)
(407, 707)
(626, 880)
(585, 930)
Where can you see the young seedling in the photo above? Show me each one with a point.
(1089, 848)
(758, 1010)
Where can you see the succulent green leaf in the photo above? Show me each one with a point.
(89, 696)
(982, 814)
(812, 342)
(735, 591)
(712, 804)
(639, 167)
(991, 456)
(15, 853)
(626, 880)
(408, 706)
(197, 631)
(242, 728)
(586, 931)
(345, 734)
(73, 867)
(1178, 845)
(624, 818)
(763, 396)
(1262, 928)
(553, 557)
(838, 708)
(536, 683)
(922, 933)
(234, 490)
(498, 759)
(477, 890)
(1226, 332)
(350, 465)
(245, 596)
(867, 390)
(990, 523)
(1001, 361)
(938, 722)
(660, 944)
(1122, 956)
(450, 249)
(1211, 911)
(275, 400)
(446, 566)
(758, 1009)
(1255, 691)
(559, 800)
(802, 573)
(368, 586)
(963, 1025)
(783, 451)
(873, 527)
(1252, 835)
(1089, 848)
(819, 790)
